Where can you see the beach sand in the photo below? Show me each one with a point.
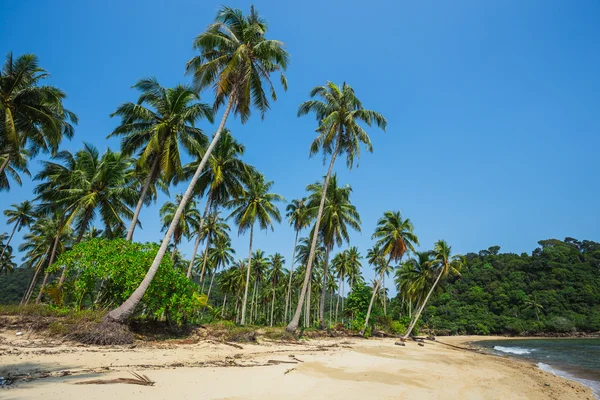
(342, 368)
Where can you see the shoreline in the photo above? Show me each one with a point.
(566, 371)
(343, 368)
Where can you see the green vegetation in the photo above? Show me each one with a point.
(79, 259)
(556, 289)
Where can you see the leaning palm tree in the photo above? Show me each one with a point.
(338, 216)
(413, 278)
(189, 218)
(33, 114)
(338, 115)
(237, 60)
(299, 218)
(446, 264)
(275, 276)
(222, 179)
(22, 215)
(155, 127)
(255, 205)
(395, 237)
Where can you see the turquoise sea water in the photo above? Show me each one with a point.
(575, 359)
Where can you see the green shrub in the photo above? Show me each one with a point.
(104, 273)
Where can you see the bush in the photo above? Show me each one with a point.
(560, 324)
(104, 273)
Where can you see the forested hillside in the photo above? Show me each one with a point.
(555, 289)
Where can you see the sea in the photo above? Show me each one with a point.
(575, 359)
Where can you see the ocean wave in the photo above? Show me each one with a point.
(594, 385)
(513, 350)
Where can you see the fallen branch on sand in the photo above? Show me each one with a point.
(277, 362)
(138, 380)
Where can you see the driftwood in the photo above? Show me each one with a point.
(421, 344)
(138, 380)
(399, 344)
(237, 346)
(293, 357)
(277, 362)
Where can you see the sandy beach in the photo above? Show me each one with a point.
(343, 368)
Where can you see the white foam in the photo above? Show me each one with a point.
(595, 386)
(513, 350)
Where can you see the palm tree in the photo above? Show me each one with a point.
(237, 59)
(189, 218)
(533, 304)
(339, 132)
(88, 184)
(413, 278)
(16, 164)
(6, 261)
(222, 179)
(155, 126)
(302, 256)
(259, 265)
(37, 245)
(21, 215)
(298, 217)
(338, 215)
(382, 268)
(395, 237)
(214, 228)
(255, 205)
(275, 275)
(446, 264)
(220, 255)
(33, 114)
(344, 264)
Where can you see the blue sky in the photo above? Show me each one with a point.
(492, 107)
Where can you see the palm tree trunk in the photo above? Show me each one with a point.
(52, 256)
(27, 295)
(330, 305)
(293, 325)
(343, 287)
(384, 296)
(122, 312)
(138, 208)
(9, 239)
(272, 304)
(4, 164)
(289, 289)
(237, 314)
(243, 321)
(323, 290)
(375, 289)
(173, 253)
(204, 261)
(223, 309)
(189, 271)
(337, 303)
(420, 310)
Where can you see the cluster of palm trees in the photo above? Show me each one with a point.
(236, 60)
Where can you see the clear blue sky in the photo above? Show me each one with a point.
(493, 107)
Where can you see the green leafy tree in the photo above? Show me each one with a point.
(162, 120)
(33, 114)
(338, 114)
(236, 59)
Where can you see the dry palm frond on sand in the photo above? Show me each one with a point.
(137, 380)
